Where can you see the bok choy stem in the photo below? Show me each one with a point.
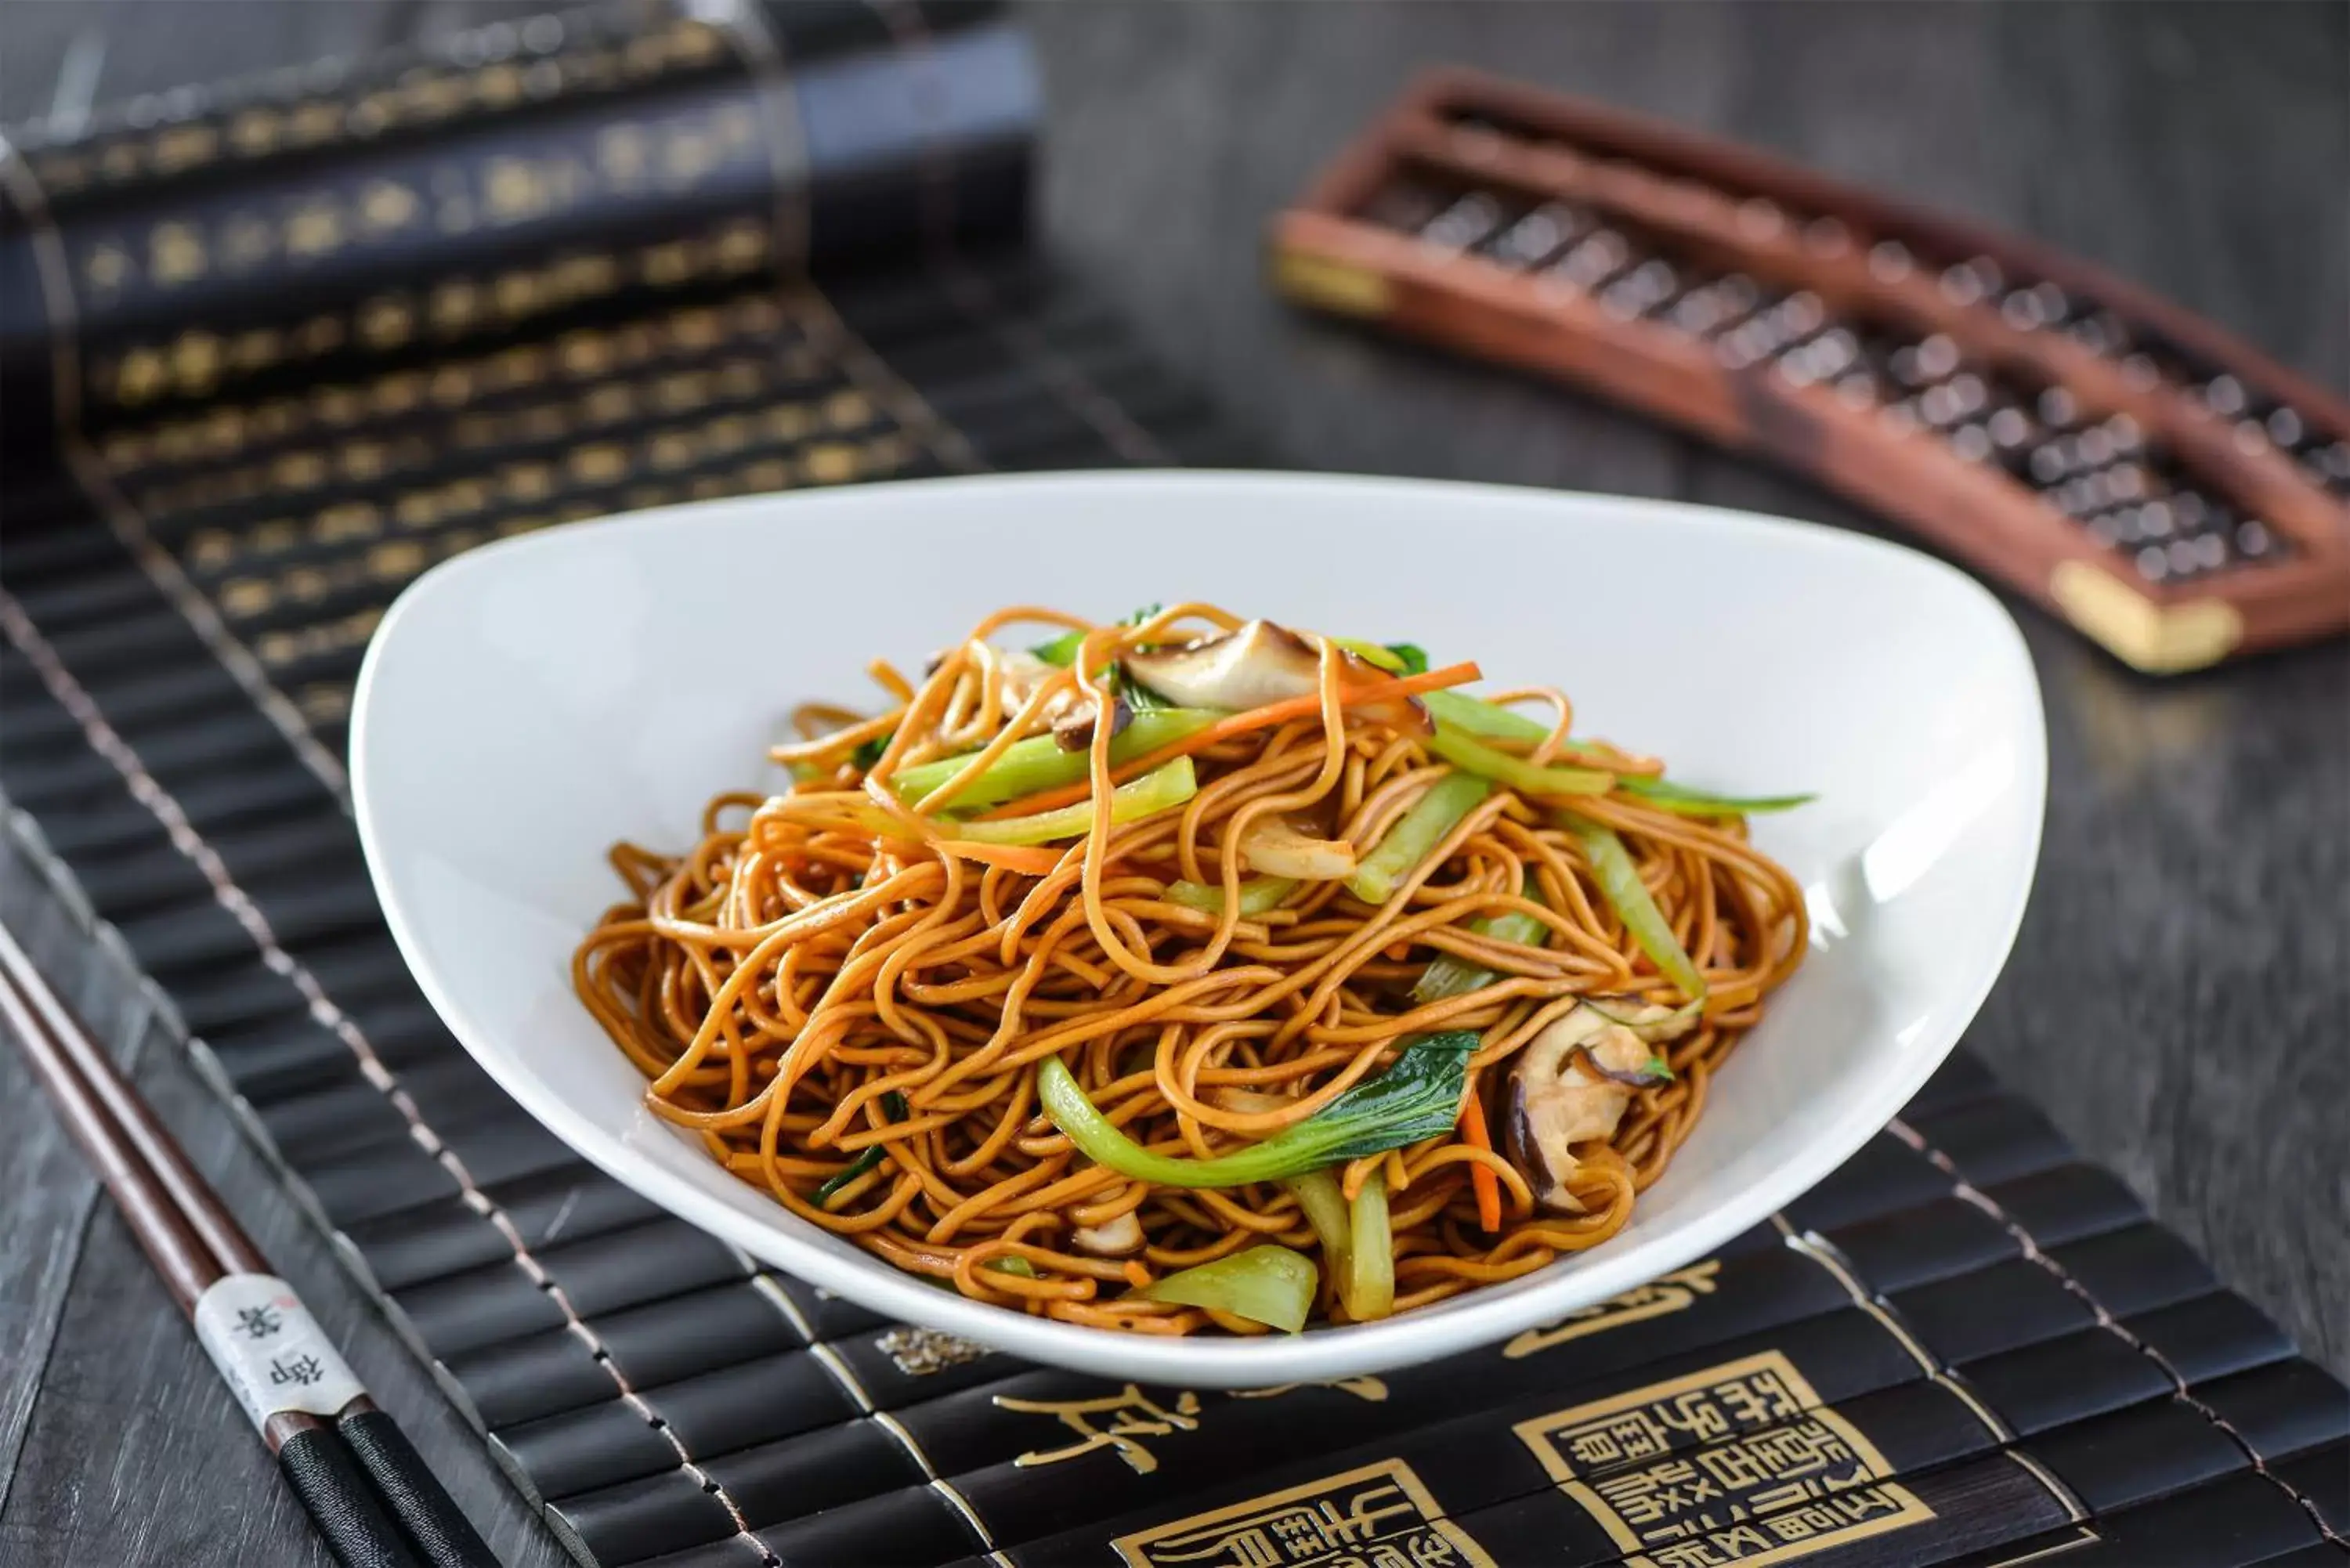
(1369, 1289)
(1325, 1206)
(1265, 1285)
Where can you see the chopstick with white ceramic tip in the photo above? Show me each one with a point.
(330, 1439)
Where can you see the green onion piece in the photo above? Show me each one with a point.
(1265, 1285)
(1418, 1097)
(1670, 796)
(867, 1158)
(1620, 885)
(1038, 762)
(1325, 1206)
(1451, 975)
(1525, 777)
(1013, 1263)
(1258, 894)
(869, 753)
(1158, 790)
(893, 1109)
(1410, 656)
(1416, 835)
(1369, 1291)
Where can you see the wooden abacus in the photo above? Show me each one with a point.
(2171, 492)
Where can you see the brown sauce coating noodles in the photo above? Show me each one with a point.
(822, 957)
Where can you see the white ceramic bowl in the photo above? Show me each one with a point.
(528, 703)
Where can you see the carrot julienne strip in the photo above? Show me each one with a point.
(1481, 1179)
(1011, 857)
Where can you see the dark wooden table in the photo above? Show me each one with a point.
(2180, 1001)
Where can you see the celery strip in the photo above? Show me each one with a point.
(1451, 975)
(1670, 796)
(1416, 835)
(1160, 790)
(1038, 763)
(1525, 777)
(1620, 885)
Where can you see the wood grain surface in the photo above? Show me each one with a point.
(2180, 1000)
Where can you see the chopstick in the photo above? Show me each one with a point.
(275, 1359)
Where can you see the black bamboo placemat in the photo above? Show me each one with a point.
(1966, 1346)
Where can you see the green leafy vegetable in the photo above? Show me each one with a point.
(869, 753)
(1528, 779)
(1156, 791)
(1369, 1288)
(1410, 657)
(1012, 1264)
(1418, 1097)
(1265, 1285)
(893, 1109)
(1416, 835)
(1038, 763)
(1061, 650)
(1395, 658)
(1258, 894)
(1671, 796)
(1620, 885)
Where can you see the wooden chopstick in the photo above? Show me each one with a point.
(277, 1362)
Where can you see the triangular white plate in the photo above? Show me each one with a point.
(528, 703)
